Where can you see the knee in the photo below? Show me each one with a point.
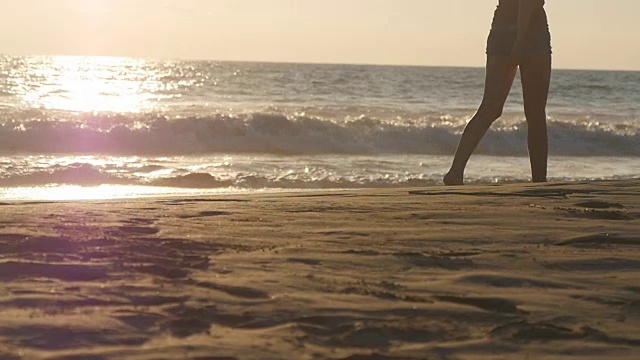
(535, 116)
(489, 113)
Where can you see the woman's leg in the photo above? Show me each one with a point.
(535, 72)
(499, 78)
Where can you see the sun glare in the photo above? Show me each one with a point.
(90, 84)
(75, 193)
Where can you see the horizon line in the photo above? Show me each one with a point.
(300, 62)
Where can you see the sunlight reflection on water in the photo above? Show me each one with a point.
(89, 84)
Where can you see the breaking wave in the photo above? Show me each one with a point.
(267, 133)
(87, 175)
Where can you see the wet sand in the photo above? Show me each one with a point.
(495, 272)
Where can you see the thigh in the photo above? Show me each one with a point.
(535, 72)
(500, 73)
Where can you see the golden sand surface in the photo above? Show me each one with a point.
(494, 272)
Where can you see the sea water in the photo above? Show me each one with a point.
(125, 127)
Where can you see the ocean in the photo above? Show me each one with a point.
(99, 127)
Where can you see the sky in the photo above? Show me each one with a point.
(587, 34)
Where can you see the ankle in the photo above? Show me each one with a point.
(453, 178)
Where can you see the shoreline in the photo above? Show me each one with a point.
(540, 271)
(132, 192)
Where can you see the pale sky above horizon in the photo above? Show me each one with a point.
(587, 34)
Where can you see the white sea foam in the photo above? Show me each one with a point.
(254, 172)
(280, 134)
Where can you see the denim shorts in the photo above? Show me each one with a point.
(502, 39)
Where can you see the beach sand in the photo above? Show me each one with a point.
(494, 272)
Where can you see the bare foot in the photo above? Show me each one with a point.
(452, 178)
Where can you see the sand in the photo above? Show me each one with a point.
(496, 272)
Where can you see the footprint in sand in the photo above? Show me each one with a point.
(186, 320)
(428, 261)
(140, 321)
(600, 205)
(490, 304)
(12, 270)
(597, 264)
(524, 331)
(50, 338)
(236, 291)
(503, 281)
(311, 262)
(204, 214)
(593, 213)
(138, 230)
(535, 193)
(600, 240)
